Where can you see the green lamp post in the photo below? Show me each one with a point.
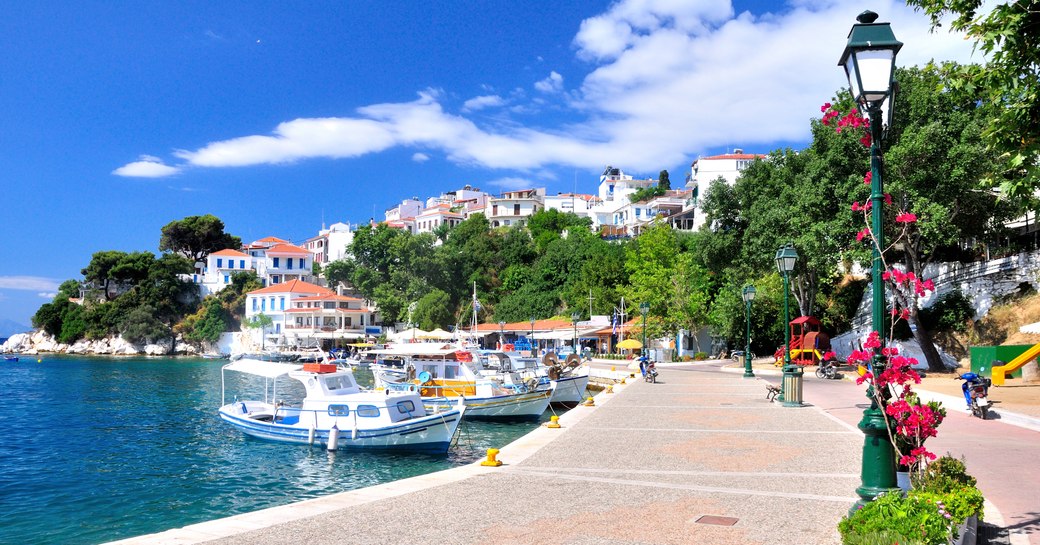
(869, 61)
(531, 340)
(643, 309)
(749, 295)
(791, 385)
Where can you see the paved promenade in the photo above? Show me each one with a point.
(700, 457)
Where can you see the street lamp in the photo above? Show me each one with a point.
(869, 59)
(644, 307)
(501, 335)
(749, 296)
(574, 340)
(786, 258)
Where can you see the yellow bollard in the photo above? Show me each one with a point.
(589, 402)
(612, 368)
(491, 461)
(631, 375)
(554, 422)
(610, 388)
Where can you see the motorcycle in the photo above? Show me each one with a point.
(649, 369)
(828, 369)
(976, 390)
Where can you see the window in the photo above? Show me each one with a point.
(303, 263)
(263, 305)
(254, 304)
(288, 263)
(220, 263)
(637, 212)
(431, 369)
(339, 410)
(276, 279)
(406, 407)
(367, 411)
(516, 209)
(231, 263)
(275, 262)
(450, 372)
(227, 279)
(494, 210)
(241, 263)
(281, 303)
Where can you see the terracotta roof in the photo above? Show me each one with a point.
(270, 239)
(287, 249)
(319, 309)
(230, 252)
(294, 286)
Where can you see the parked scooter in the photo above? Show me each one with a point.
(828, 369)
(648, 368)
(976, 390)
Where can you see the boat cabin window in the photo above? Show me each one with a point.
(338, 383)
(450, 371)
(405, 407)
(431, 369)
(367, 411)
(339, 410)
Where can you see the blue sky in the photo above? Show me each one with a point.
(119, 117)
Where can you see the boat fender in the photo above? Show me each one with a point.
(425, 377)
(386, 391)
(412, 388)
(333, 438)
(310, 436)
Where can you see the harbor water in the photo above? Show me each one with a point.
(100, 449)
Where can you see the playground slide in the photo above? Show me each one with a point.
(1026, 357)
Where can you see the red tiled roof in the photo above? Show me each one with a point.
(230, 252)
(287, 249)
(294, 286)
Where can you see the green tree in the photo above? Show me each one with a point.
(1008, 86)
(259, 321)
(433, 311)
(98, 271)
(195, 237)
(662, 180)
(141, 325)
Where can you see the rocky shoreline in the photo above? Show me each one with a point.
(39, 342)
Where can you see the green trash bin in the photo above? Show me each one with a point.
(791, 386)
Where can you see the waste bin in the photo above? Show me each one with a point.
(791, 386)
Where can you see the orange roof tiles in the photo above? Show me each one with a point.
(294, 286)
(287, 249)
(229, 252)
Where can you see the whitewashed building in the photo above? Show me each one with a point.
(304, 310)
(579, 204)
(513, 207)
(705, 170)
(408, 208)
(330, 244)
(615, 188)
(431, 218)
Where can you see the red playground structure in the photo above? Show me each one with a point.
(808, 343)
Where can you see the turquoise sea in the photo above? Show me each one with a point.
(100, 449)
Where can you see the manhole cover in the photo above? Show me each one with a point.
(716, 520)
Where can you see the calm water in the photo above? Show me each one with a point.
(99, 449)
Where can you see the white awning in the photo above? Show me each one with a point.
(268, 369)
(565, 334)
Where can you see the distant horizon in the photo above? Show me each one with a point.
(277, 118)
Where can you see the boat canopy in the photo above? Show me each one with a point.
(266, 369)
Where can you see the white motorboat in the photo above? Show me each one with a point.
(446, 376)
(336, 412)
(569, 379)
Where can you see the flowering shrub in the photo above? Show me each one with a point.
(910, 422)
(916, 518)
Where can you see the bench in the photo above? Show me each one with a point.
(772, 392)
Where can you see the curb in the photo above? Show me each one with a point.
(1006, 417)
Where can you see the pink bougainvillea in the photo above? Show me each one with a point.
(891, 374)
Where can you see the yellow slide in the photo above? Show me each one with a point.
(1026, 357)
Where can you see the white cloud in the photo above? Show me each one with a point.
(28, 283)
(47, 295)
(666, 80)
(551, 84)
(147, 166)
(481, 102)
(419, 157)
